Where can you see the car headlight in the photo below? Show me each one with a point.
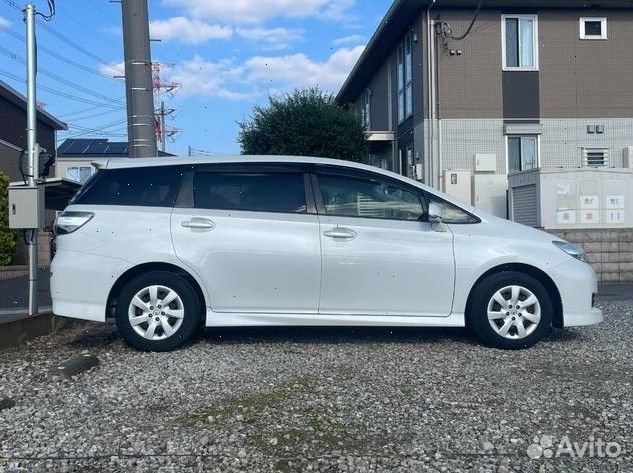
(575, 251)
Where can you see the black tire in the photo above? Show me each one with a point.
(477, 311)
(188, 302)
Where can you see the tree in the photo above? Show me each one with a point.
(8, 237)
(306, 122)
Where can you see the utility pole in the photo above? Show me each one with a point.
(31, 144)
(138, 79)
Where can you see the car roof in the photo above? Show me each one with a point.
(178, 160)
(118, 163)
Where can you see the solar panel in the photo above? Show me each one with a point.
(96, 147)
(117, 147)
(78, 146)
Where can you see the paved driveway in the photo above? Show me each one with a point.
(324, 399)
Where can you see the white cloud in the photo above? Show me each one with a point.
(248, 80)
(258, 11)
(271, 38)
(191, 31)
(187, 30)
(112, 69)
(213, 79)
(298, 70)
(338, 9)
(347, 40)
(4, 23)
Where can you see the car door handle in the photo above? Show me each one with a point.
(340, 232)
(198, 223)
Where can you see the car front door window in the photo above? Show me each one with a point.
(369, 198)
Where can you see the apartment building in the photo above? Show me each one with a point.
(523, 108)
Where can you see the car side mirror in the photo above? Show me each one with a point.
(435, 218)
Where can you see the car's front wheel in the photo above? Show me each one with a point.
(157, 311)
(510, 310)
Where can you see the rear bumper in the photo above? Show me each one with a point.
(577, 284)
(81, 283)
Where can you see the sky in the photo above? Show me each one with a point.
(226, 56)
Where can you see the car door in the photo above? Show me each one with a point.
(251, 234)
(379, 254)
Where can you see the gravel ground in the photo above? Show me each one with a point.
(326, 399)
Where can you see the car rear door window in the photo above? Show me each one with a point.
(155, 186)
(370, 197)
(256, 191)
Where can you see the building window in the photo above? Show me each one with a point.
(595, 157)
(520, 42)
(400, 81)
(593, 28)
(365, 112)
(522, 153)
(408, 76)
(405, 77)
(79, 173)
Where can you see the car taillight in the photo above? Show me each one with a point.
(68, 222)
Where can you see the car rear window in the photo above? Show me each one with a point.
(264, 192)
(143, 186)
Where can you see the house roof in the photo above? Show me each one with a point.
(400, 15)
(15, 97)
(95, 148)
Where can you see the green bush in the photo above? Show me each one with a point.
(306, 122)
(8, 237)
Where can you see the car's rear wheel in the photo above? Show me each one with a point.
(157, 311)
(510, 310)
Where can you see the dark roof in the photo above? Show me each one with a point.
(15, 97)
(95, 148)
(402, 13)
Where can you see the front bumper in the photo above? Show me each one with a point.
(577, 284)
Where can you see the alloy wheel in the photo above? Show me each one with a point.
(514, 312)
(156, 312)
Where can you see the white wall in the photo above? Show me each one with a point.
(562, 140)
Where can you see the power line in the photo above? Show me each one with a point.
(67, 40)
(96, 115)
(88, 131)
(78, 47)
(60, 93)
(106, 13)
(85, 110)
(59, 56)
(57, 77)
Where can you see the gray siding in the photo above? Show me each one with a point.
(471, 84)
(585, 78)
(577, 78)
(525, 205)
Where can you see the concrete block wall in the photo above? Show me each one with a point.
(609, 251)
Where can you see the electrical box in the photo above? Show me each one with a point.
(486, 163)
(627, 158)
(457, 183)
(490, 193)
(26, 207)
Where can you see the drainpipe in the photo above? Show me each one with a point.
(430, 81)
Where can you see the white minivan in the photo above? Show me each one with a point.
(165, 245)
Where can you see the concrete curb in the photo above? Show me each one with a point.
(14, 330)
(10, 272)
